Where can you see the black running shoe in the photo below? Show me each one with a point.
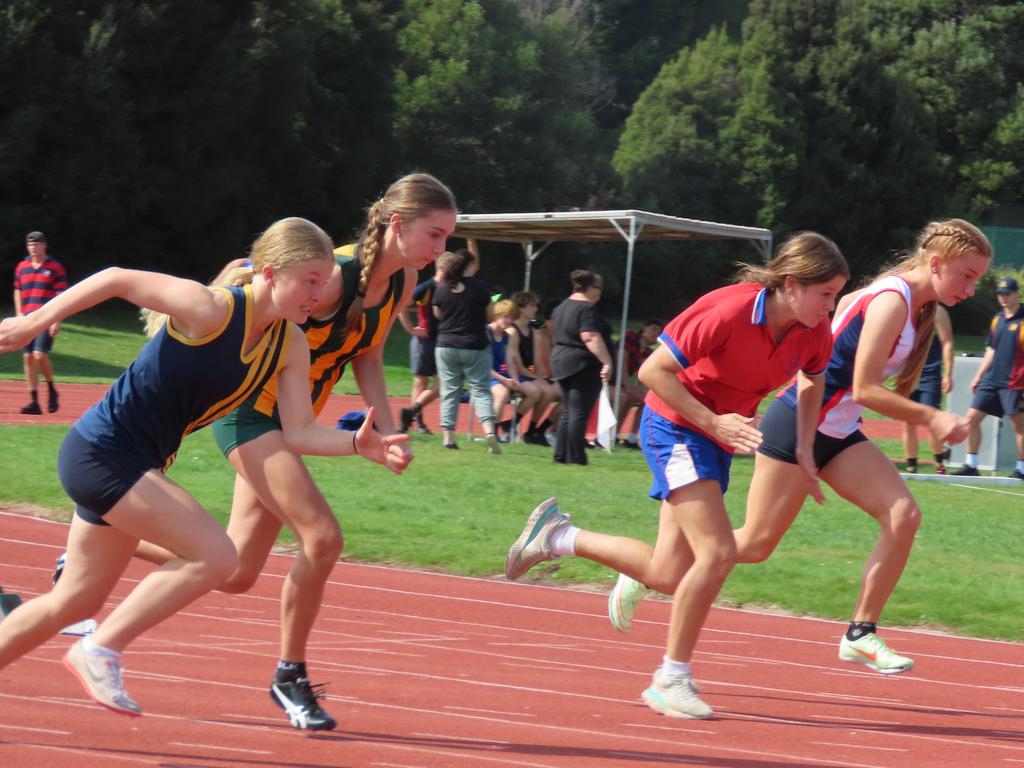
(423, 429)
(1017, 474)
(966, 471)
(53, 404)
(405, 417)
(301, 702)
(32, 409)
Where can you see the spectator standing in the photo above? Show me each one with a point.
(37, 279)
(581, 361)
(462, 306)
(998, 385)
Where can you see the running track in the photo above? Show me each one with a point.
(433, 670)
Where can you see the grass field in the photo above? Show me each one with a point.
(459, 511)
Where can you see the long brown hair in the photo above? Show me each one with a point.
(808, 257)
(411, 197)
(949, 239)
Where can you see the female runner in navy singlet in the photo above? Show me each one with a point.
(217, 347)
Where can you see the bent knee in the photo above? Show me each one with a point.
(241, 580)
(323, 548)
(756, 550)
(903, 518)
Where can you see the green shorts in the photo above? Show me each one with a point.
(241, 426)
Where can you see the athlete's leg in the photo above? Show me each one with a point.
(699, 511)
(659, 567)
(281, 483)
(97, 556)
(253, 529)
(777, 493)
(864, 476)
(158, 510)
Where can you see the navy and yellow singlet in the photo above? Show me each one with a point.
(177, 385)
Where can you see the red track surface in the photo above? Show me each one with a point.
(433, 670)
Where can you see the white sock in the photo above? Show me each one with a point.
(672, 667)
(563, 540)
(97, 650)
(971, 460)
(1020, 465)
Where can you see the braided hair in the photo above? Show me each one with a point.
(949, 240)
(411, 197)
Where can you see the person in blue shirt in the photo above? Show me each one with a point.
(998, 385)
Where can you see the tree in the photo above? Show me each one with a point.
(495, 104)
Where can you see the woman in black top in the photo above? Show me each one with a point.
(462, 306)
(580, 361)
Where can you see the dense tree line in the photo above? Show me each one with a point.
(156, 132)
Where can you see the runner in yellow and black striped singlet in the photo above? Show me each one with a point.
(370, 284)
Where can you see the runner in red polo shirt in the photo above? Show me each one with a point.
(716, 361)
(37, 279)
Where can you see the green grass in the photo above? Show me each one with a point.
(460, 511)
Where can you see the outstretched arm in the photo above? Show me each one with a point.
(197, 310)
(305, 436)
(883, 321)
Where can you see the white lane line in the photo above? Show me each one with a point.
(857, 746)
(489, 743)
(34, 730)
(222, 749)
(489, 711)
(94, 753)
(672, 729)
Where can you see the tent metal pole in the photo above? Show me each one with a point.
(634, 233)
(531, 257)
(528, 255)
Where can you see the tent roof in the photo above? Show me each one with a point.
(600, 225)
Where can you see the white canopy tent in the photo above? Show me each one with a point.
(527, 229)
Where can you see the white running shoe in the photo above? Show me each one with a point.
(534, 543)
(676, 696)
(622, 602)
(872, 651)
(100, 675)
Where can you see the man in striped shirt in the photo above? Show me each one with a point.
(37, 279)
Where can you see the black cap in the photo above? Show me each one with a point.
(35, 237)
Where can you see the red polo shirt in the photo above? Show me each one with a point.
(728, 360)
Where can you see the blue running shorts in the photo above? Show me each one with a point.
(679, 456)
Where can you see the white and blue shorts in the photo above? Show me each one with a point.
(679, 456)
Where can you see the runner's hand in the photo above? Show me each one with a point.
(737, 432)
(15, 333)
(948, 427)
(392, 451)
(807, 466)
